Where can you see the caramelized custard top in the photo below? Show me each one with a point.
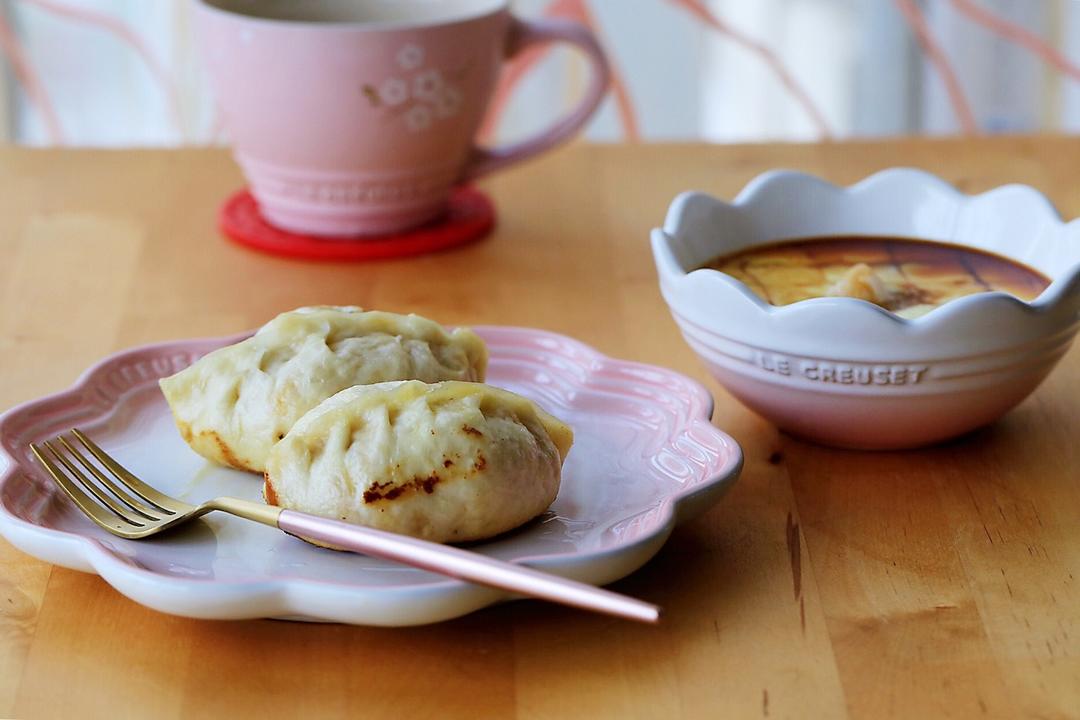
(908, 276)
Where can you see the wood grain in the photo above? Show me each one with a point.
(827, 584)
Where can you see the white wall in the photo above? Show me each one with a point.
(103, 93)
(1005, 85)
(856, 58)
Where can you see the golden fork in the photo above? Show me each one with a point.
(128, 507)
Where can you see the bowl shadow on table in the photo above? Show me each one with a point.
(912, 511)
(882, 519)
(1006, 442)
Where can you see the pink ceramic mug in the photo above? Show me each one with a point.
(357, 117)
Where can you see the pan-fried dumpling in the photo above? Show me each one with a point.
(448, 462)
(233, 404)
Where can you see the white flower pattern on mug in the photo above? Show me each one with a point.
(421, 96)
(410, 56)
(394, 91)
(427, 85)
(418, 118)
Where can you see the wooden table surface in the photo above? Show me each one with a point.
(936, 583)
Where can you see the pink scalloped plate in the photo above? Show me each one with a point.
(645, 458)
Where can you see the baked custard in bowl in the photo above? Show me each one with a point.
(894, 313)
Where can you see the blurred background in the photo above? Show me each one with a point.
(126, 73)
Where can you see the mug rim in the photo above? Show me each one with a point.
(486, 8)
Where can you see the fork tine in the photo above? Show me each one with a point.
(126, 478)
(74, 474)
(135, 505)
(91, 509)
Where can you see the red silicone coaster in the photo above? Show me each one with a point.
(470, 216)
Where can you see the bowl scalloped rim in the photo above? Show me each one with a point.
(688, 205)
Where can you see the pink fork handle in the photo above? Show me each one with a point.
(465, 565)
(533, 32)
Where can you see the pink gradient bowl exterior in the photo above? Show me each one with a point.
(842, 371)
(645, 458)
(346, 129)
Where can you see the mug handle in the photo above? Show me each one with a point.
(525, 33)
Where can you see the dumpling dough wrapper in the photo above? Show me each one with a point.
(234, 404)
(448, 462)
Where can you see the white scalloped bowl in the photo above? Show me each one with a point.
(843, 371)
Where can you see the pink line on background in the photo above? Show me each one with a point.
(1017, 34)
(915, 18)
(31, 83)
(579, 11)
(126, 35)
(526, 61)
(697, 9)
